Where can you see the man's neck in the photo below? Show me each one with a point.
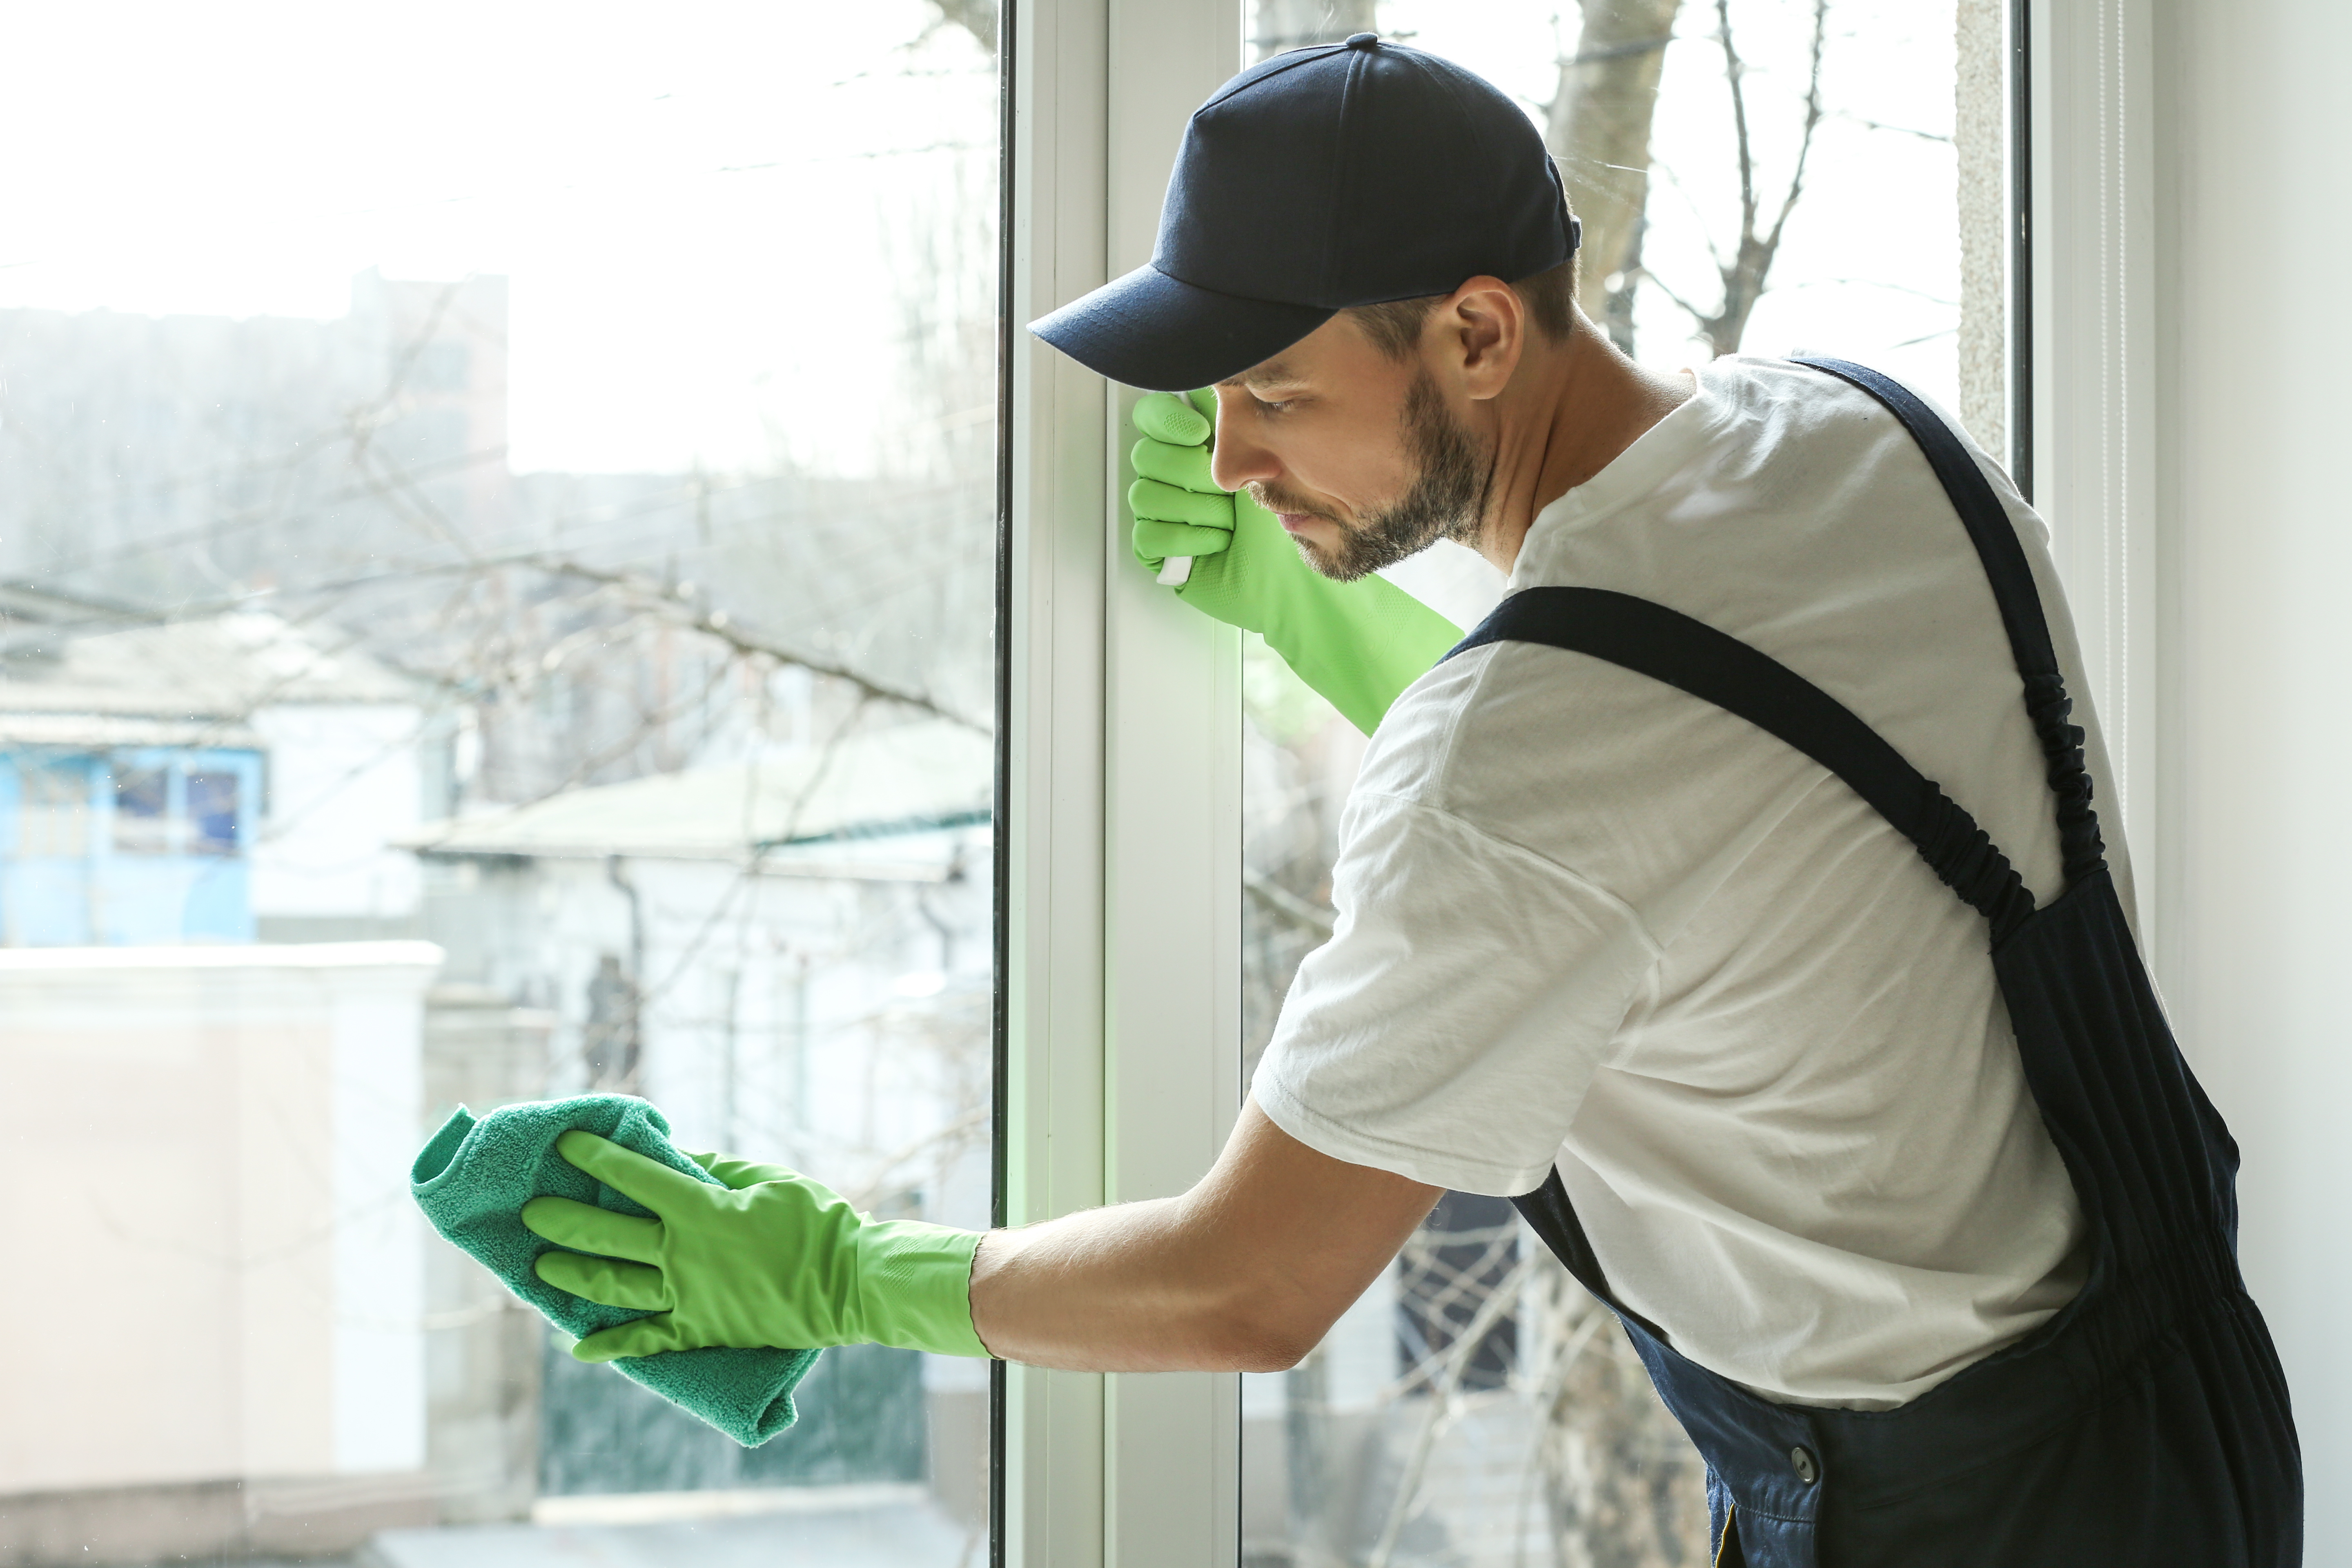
(1567, 414)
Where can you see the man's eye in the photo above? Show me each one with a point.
(1266, 406)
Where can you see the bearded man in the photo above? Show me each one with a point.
(1732, 897)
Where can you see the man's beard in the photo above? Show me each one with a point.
(1447, 500)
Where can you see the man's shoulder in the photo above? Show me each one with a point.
(1496, 728)
(1788, 491)
(1795, 515)
(1777, 402)
(1781, 401)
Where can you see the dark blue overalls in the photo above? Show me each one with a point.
(2146, 1423)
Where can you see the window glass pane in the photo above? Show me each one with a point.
(213, 813)
(498, 605)
(143, 808)
(1476, 1407)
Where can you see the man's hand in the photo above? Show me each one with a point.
(1359, 644)
(1180, 513)
(1243, 1273)
(771, 1258)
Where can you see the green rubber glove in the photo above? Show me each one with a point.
(1359, 644)
(771, 1259)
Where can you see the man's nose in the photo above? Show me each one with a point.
(1236, 459)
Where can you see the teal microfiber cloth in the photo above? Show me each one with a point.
(475, 1175)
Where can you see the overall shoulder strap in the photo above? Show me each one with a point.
(2011, 579)
(1668, 646)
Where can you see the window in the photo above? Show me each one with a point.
(1477, 1407)
(500, 602)
(143, 809)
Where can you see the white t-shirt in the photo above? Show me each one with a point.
(1586, 918)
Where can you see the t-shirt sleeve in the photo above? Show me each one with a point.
(1449, 1029)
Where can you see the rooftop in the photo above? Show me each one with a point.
(854, 806)
(178, 683)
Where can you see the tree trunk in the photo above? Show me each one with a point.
(1598, 129)
(1279, 24)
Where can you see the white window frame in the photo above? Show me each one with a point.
(2090, 87)
(1122, 810)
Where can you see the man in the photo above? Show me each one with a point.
(1657, 936)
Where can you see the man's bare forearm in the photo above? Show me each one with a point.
(1118, 1290)
(1243, 1273)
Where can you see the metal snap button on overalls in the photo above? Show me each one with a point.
(1801, 1461)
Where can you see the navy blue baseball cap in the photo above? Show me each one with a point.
(1343, 174)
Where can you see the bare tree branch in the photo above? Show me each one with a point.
(718, 624)
(1735, 74)
(1804, 142)
(1286, 905)
(1745, 276)
(1663, 288)
(1448, 1378)
(1869, 124)
(1690, 203)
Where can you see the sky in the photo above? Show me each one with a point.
(696, 202)
(704, 208)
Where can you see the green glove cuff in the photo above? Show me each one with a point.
(1359, 644)
(914, 1287)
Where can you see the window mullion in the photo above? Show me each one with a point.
(1122, 816)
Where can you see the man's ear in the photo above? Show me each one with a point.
(1481, 331)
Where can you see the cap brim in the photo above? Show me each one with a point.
(1151, 330)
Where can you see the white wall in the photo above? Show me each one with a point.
(343, 779)
(2254, 235)
(211, 1169)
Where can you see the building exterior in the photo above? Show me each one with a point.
(231, 1361)
(282, 445)
(216, 780)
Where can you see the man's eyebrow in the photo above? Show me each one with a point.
(1273, 373)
